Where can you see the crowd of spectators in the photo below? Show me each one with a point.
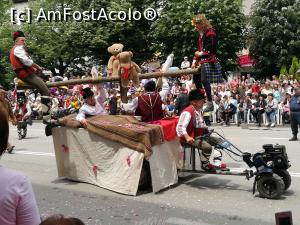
(242, 99)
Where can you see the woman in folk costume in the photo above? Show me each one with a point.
(206, 57)
(26, 71)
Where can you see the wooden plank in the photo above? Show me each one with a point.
(112, 79)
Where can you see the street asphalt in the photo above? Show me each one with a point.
(198, 199)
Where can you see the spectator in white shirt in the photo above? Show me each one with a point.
(185, 63)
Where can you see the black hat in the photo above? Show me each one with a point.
(18, 34)
(21, 94)
(86, 93)
(196, 94)
(150, 86)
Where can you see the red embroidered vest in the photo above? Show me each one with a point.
(191, 130)
(20, 69)
(149, 107)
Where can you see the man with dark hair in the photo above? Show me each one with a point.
(149, 105)
(92, 105)
(182, 100)
(26, 70)
(61, 220)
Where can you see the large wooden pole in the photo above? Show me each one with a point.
(112, 79)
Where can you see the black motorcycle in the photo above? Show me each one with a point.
(271, 177)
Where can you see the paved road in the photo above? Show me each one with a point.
(198, 199)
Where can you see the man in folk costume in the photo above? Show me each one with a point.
(27, 70)
(206, 57)
(191, 124)
(92, 105)
(22, 111)
(149, 105)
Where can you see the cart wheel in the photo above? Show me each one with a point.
(270, 185)
(24, 132)
(145, 182)
(285, 176)
(20, 133)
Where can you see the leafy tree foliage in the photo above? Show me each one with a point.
(6, 73)
(173, 31)
(275, 32)
(293, 71)
(76, 46)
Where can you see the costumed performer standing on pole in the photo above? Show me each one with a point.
(206, 57)
(27, 70)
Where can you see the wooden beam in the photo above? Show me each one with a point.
(112, 79)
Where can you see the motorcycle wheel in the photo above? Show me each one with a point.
(285, 176)
(24, 132)
(20, 133)
(270, 186)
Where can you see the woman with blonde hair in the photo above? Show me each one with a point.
(206, 58)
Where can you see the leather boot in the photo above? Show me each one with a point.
(46, 103)
(294, 138)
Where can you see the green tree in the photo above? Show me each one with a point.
(76, 46)
(64, 46)
(6, 73)
(293, 71)
(274, 35)
(173, 31)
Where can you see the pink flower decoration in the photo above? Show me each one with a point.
(94, 168)
(202, 91)
(65, 148)
(128, 159)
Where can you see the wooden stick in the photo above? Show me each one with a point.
(112, 79)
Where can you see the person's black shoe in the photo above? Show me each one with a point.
(48, 130)
(29, 122)
(10, 149)
(294, 138)
(47, 119)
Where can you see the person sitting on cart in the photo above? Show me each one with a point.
(93, 105)
(191, 125)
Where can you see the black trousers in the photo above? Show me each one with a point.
(295, 122)
(258, 115)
